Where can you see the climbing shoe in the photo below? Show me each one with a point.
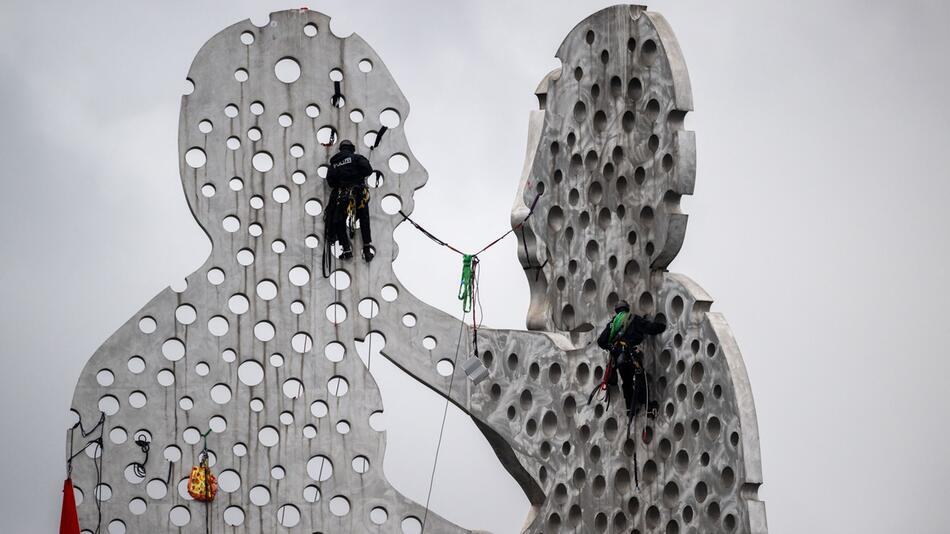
(368, 253)
(347, 255)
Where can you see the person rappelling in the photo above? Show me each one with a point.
(621, 338)
(349, 201)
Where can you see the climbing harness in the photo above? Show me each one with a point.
(618, 324)
(353, 202)
(97, 462)
(619, 349)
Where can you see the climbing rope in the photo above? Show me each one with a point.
(445, 412)
(97, 459)
(438, 241)
(354, 198)
(469, 296)
(327, 260)
(468, 286)
(527, 258)
(604, 384)
(636, 464)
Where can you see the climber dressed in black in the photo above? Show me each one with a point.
(349, 200)
(622, 338)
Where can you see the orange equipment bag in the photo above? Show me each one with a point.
(202, 484)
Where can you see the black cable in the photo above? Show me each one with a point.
(537, 274)
(431, 236)
(379, 137)
(141, 439)
(168, 479)
(327, 261)
(337, 95)
(636, 466)
(98, 491)
(97, 459)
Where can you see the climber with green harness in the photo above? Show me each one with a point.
(621, 338)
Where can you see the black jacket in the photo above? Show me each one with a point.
(638, 328)
(348, 169)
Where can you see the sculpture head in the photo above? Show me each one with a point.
(254, 345)
(609, 152)
(257, 132)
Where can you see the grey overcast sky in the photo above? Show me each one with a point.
(818, 223)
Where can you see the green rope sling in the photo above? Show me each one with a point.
(616, 324)
(466, 286)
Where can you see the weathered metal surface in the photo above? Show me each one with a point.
(257, 321)
(613, 159)
(273, 211)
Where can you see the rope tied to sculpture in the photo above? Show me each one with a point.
(468, 285)
(97, 459)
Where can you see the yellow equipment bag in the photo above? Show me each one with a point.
(202, 484)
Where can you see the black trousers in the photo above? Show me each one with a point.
(633, 382)
(337, 230)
